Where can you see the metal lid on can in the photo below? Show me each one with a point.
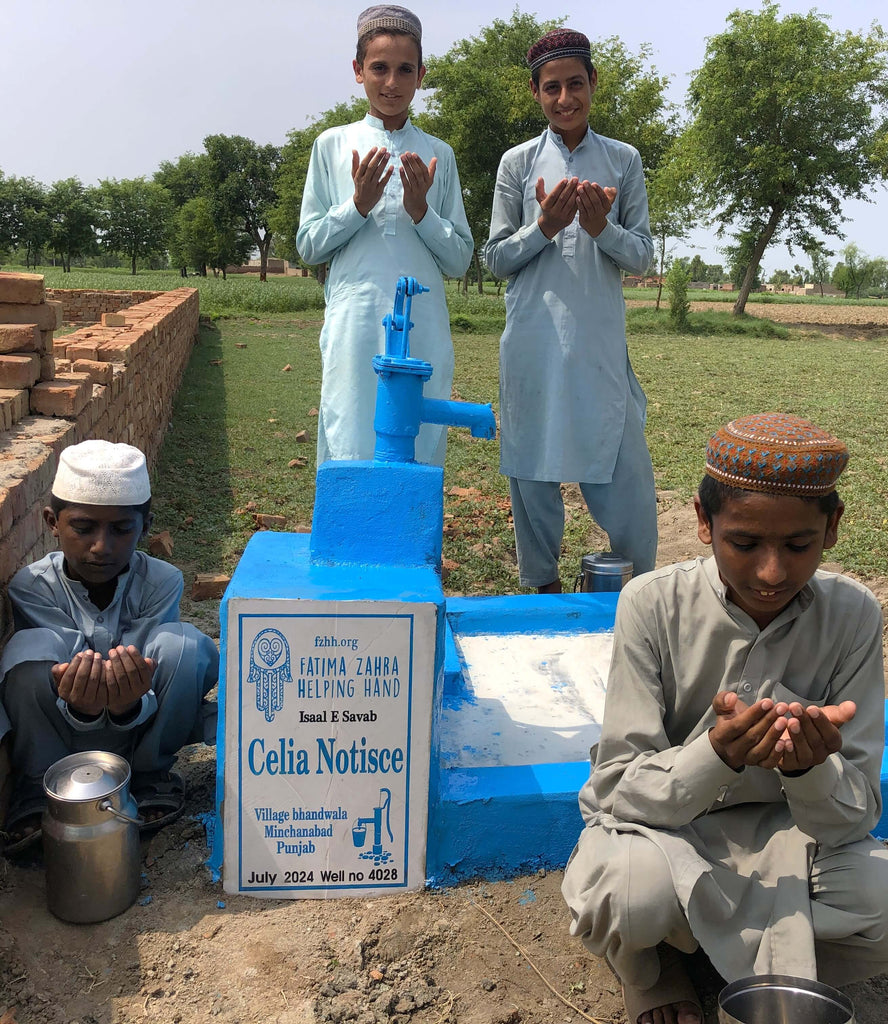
(606, 563)
(87, 775)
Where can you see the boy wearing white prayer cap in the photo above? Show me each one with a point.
(99, 659)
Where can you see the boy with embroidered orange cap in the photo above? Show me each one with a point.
(99, 659)
(382, 199)
(736, 780)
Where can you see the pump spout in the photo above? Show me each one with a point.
(400, 406)
(479, 418)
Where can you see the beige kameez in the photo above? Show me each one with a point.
(769, 873)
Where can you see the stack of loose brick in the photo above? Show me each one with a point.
(143, 345)
(27, 322)
(129, 372)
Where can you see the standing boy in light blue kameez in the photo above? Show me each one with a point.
(570, 406)
(374, 225)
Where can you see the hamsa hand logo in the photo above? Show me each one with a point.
(269, 671)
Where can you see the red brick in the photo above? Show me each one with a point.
(19, 338)
(19, 371)
(47, 315)
(63, 396)
(13, 406)
(99, 373)
(81, 350)
(18, 542)
(113, 320)
(47, 367)
(21, 288)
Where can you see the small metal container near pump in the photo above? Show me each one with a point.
(780, 999)
(90, 837)
(603, 571)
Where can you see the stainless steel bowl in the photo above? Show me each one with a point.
(781, 999)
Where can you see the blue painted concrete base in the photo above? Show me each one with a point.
(881, 829)
(496, 823)
(493, 816)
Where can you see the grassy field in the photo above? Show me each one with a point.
(231, 451)
(247, 294)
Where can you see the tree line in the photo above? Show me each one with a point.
(784, 120)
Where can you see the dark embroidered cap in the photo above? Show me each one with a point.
(776, 453)
(560, 42)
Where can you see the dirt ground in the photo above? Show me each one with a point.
(485, 953)
(855, 321)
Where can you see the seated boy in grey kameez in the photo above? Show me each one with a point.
(737, 777)
(99, 659)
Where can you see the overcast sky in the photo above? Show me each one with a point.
(109, 88)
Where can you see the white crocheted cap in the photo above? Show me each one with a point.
(102, 473)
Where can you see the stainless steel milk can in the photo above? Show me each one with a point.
(603, 571)
(780, 999)
(90, 837)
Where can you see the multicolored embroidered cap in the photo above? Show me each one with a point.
(560, 42)
(776, 453)
(391, 17)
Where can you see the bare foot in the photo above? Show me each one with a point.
(673, 1013)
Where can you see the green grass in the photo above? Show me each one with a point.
(234, 295)
(227, 454)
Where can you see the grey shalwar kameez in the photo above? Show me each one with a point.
(571, 408)
(769, 873)
(55, 619)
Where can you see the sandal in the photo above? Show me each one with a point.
(161, 794)
(673, 986)
(26, 815)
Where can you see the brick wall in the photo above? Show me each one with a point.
(111, 382)
(80, 306)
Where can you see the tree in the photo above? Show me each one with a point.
(24, 220)
(819, 255)
(481, 105)
(671, 213)
(854, 273)
(295, 155)
(73, 216)
(135, 218)
(197, 242)
(242, 176)
(879, 277)
(697, 268)
(677, 280)
(740, 256)
(788, 120)
(185, 179)
(780, 277)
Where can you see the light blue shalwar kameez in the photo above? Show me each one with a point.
(54, 620)
(571, 408)
(367, 255)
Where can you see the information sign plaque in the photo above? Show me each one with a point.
(327, 730)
